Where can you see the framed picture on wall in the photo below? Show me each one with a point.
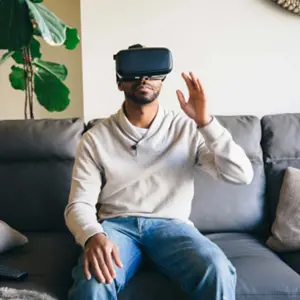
(291, 5)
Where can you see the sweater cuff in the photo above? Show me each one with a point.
(88, 233)
(213, 131)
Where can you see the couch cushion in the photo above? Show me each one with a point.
(39, 139)
(281, 149)
(261, 274)
(220, 206)
(292, 259)
(36, 161)
(48, 258)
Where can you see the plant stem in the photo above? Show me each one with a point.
(30, 80)
(29, 88)
(26, 83)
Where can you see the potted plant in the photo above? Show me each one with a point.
(23, 23)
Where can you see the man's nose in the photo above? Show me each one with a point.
(144, 79)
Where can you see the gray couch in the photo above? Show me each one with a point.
(36, 159)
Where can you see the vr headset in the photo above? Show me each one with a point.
(133, 64)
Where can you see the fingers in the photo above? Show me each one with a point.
(186, 107)
(96, 269)
(102, 265)
(104, 273)
(116, 257)
(86, 268)
(200, 85)
(109, 264)
(195, 81)
(104, 268)
(98, 258)
(192, 82)
(188, 82)
(181, 98)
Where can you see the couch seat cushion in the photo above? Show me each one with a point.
(261, 273)
(292, 259)
(48, 258)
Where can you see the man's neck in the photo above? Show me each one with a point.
(140, 115)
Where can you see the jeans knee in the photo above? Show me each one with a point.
(220, 274)
(84, 289)
(219, 265)
(209, 272)
(91, 290)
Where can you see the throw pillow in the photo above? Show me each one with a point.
(10, 237)
(286, 227)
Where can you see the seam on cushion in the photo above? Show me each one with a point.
(281, 158)
(278, 294)
(256, 160)
(38, 160)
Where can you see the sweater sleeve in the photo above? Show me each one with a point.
(80, 212)
(220, 156)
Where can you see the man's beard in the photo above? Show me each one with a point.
(141, 99)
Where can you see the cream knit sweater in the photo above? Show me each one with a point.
(152, 175)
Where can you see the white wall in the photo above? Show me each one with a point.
(246, 52)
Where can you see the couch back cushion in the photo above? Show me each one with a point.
(281, 148)
(36, 161)
(220, 206)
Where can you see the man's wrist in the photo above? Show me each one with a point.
(98, 233)
(204, 122)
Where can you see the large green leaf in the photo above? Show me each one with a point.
(58, 70)
(17, 78)
(35, 47)
(53, 30)
(72, 39)
(36, 1)
(6, 56)
(15, 26)
(51, 92)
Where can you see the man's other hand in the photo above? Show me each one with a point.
(99, 254)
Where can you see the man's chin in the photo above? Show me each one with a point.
(141, 98)
(142, 101)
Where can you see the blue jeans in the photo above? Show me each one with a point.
(176, 249)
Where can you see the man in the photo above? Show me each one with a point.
(138, 166)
